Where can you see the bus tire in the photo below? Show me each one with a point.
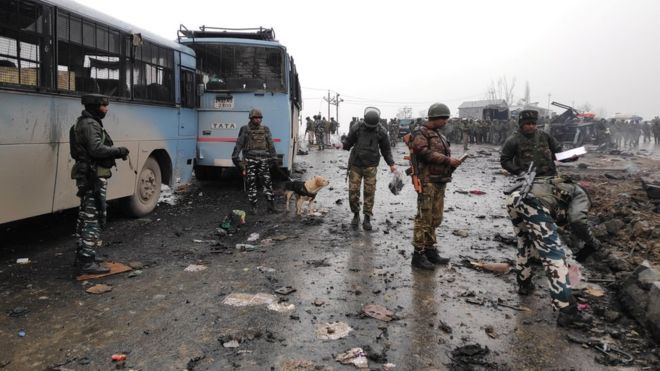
(147, 190)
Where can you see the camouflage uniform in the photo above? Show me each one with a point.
(365, 145)
(393, 132)
(309, 131)
(465, 131)
(256, 143)
(92, 149)
(319, 129)
(552, 201)
(431, 150)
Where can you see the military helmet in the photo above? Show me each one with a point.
(94, 99)
(256, 113)
(438, 110)
(371, 117)
(528, 115)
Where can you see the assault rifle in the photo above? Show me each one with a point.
(413, 170)
(525, 185)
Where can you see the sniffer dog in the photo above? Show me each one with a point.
(304, 191)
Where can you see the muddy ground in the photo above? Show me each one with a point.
(168, 318)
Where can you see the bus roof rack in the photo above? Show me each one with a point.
(260, 33)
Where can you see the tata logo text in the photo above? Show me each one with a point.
(222, 125)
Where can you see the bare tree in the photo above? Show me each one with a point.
(502, 89)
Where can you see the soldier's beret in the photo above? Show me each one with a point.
(99, 99)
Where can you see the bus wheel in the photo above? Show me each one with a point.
(147, 190)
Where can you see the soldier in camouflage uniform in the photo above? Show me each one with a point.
(365, 140)
(552, 200)
(309, 131)
(465, 132)
(256, 143)
(393, 132)
(434, 166)
(92, 149)
(319, 129)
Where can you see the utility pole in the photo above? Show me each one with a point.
(333, 101)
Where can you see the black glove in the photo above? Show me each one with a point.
(584, 253)
(123, 153)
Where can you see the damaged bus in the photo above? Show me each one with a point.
(54, 51)
(237, 70)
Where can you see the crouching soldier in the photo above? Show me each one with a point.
(93, 151)
(550, 201)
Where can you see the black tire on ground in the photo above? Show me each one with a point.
(147, 190)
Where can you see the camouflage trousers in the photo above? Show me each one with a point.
(258, 168)
(430, 207)
(537, 236)
(320, 139)
(91, 219)
(355, 175)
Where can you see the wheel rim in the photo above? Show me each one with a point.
(147, 185)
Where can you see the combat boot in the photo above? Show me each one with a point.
(570, 316)
(435, 258)
(526, 288)
(420, 261)
(366, 224)
(87, 263)
(356, 220)
(271, 207)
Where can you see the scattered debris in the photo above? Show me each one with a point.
(378, 312)
(477, 192)
(245, 247)
(21, 333)
(333, 331)
(490, 331)
(356, 357)
(501, 268)
(99, 289)
(18, 312)
(285, 290)
(242, 300)
(253, 237)
(231, 344)
(281, 307)
(318, 263)
(444, 327)
(279, 237)
(136, 265)
(507, 240)
(263, 269)
(23, 261)
(195, 268)
(460, 233)
(318, 302)
(118, 357)
(233, 221)
(467, 356)
(266, 242)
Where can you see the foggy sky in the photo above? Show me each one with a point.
(391, 54)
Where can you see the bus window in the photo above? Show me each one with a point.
(241, 67)
(152, 73)
(89, 57)
(24, 29)
(187, 89)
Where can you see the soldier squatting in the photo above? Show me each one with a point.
(536, 210)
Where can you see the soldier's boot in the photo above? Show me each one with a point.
(435, 258)
(86, 262)
(271, 207)
(591, 243)
(526, 287)
(420, 261)
(366, 224)
(356, 220)
(570, 316)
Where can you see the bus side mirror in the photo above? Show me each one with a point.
(200, 89)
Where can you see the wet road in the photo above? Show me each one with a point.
(167, 318)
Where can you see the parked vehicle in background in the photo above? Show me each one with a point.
(237, 70)
(53, 52)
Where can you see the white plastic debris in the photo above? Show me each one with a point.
(333, 331)
(231, 344)
(356, 357)
(238, 299)
(245, 246)
(23, 261)
(167, 195)
(195, 268)
(281, 307)
(263, 269)
(253, 237)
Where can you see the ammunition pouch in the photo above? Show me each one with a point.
(103, 172)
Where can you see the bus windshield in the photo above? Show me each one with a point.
(240, 67)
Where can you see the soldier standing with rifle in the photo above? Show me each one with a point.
(92, 148)
(256, 143)
(365, 140)
(544, 201)
(433, 165)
